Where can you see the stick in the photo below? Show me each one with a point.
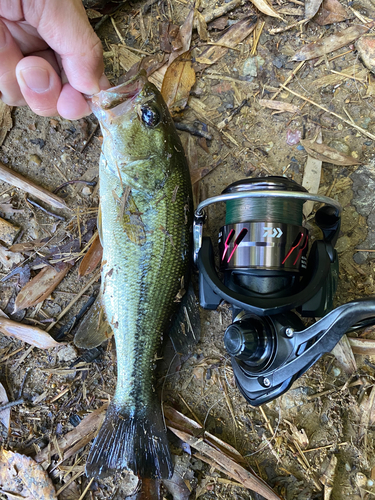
(292, 74)
(17, 180)
(360, 129)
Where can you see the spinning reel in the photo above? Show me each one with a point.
(267, 270)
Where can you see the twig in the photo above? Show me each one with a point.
(76, 181)
(17, 180)
(220, 11)
(290, 77)
(190, 410)
(11, 404)
(44, 210)
(289, 27)
(73, 301)
(89, 139)
(256, 38)
(360, 129)
(233, 113)
(86, 489)
(185, 127)
(348, 76)
(68, 483)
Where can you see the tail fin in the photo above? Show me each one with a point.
(135, 441)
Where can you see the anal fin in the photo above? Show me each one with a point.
(94, 328)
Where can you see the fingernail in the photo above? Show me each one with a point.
(37, 79)
(3, 37)
(104, 83)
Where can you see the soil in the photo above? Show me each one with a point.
(328, 412)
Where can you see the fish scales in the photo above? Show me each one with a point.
(145, 229)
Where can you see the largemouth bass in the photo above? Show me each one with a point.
(145, 224)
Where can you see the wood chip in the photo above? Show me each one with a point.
(30, 334)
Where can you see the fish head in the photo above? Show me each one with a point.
(137, 128)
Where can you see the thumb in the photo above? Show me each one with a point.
(66, 28)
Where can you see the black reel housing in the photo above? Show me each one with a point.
(267, 270)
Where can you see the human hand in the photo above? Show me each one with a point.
(49, 57)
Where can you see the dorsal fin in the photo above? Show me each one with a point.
(94, 328)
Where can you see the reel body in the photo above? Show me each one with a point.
(266, 270)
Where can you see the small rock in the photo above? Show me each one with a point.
(342, 244)
(35, 160)
(366, 50)
(340, 146)
(360, 257)
(278, 62)
(251, 66)
(368, 143)
(336, 371)
(86, 191)
(67, 353)
(347, 467)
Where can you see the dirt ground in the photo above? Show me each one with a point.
(293, 442)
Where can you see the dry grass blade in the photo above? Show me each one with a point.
(17, 180)
(29, 334)
(92, 258)
(324, 153)
(237, 472)
(331, 43)
(76, 439)
(279, 105)
(178, 81)
(5, 414)
(266, 8)
(18, 470)
(41, 286)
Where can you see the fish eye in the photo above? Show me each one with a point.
(150, 116)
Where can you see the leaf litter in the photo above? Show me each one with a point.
(224, 45)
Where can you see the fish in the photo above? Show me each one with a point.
(145, 228)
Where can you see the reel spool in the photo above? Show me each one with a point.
(267, 270)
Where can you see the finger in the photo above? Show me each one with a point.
(71, 104)
(65, 27)
(10, 55)
(40, 85)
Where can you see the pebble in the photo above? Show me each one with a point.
(347, 467)
(360, 257)
(86, 191)
(336, 371)
(67, 353)
(370, 482)
(251, 66)
(340, 146)
(35, 160)
(366, 50)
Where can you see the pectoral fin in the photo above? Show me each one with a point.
(131, 220)
(94, 328)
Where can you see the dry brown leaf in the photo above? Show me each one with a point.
(186, 32)
(92, 258)
(235, 35)
(331, 11)
(7, 258)
(344, 355)
(6, 122)
(311, 177)
(201, 26)
(331, 43)
(366, 347)
(266, 8)
(30, 334)
(41, 286)
(76, 439)
(178, 81)
(328, 155)
(170, 37)
(311, 8)
(5, 414)
(279, 105)
(22, 477)
(232, 468)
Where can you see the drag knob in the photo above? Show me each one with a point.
(247, 341)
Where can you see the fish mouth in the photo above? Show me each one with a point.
(124, 93)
